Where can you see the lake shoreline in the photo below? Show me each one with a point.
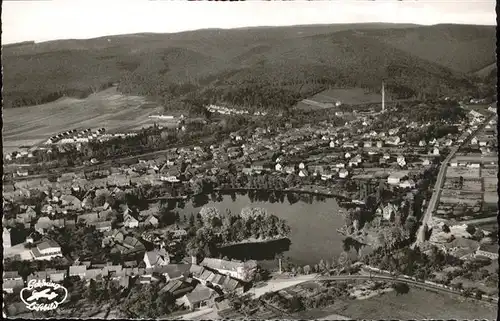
(297, 191)
(251, 241)
(313, 223)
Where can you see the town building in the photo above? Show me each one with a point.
(244, 271)
(156, 258)
(343, 173)
(200, 297)
(46, 250)
(395, 178)
(77, 270)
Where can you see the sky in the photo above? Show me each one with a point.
(43, 20)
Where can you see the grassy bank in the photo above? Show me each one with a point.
(417, 304)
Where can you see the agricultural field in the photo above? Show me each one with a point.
(28, 126)
(418, 304)
(328, 98)
(489, 172)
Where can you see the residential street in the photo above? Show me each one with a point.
(439, 183)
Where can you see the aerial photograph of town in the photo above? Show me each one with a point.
(250, 160)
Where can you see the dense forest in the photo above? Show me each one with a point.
(256, 68)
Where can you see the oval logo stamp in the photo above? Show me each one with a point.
(41, 295)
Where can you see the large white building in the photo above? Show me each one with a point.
(244, 271)
(46, 250)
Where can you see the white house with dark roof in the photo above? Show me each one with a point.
(244, 271)
(130, 221)
(343, 173)
(46, 250)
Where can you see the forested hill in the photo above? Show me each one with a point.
(265, 67)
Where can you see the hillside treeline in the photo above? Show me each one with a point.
(261, 72)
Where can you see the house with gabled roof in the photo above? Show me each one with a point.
(95, 274)
(132, 242)
(156, 258)
(71, 202)
(39, 275)
(57, 276)
(151, 220)
(77, 270)
(102, 226)
(45, 223)
(343, 173)
(200, 297)
(177, 288)
(172, 271)
(129, 221)
(11, 275)
(88, 218)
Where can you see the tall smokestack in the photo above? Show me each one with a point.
(383, 97)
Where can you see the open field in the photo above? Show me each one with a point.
(418, 304)
(486, 71)
(26, 126)
(328, 98)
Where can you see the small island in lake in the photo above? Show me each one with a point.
(211, 230)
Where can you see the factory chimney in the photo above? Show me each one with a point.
(383, 97)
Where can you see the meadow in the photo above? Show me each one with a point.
(28, 126)
(349, 96)
(418, 304)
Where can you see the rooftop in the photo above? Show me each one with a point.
(47, 244)
(226, 265)
(199, 294)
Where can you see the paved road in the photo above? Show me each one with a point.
(479, 221)
(439, 183)
(280, 284)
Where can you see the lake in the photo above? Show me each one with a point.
(313, 222)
